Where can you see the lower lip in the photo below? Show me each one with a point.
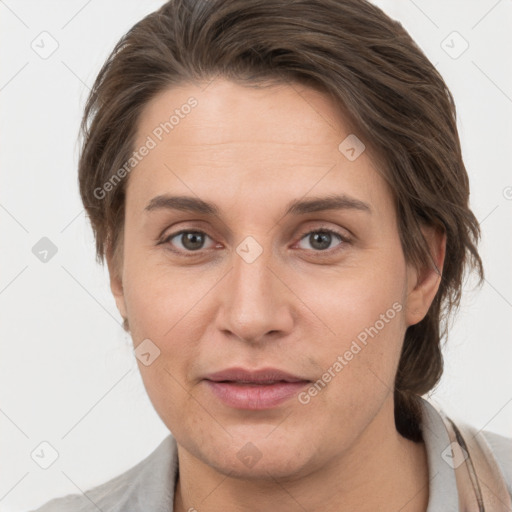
(255, 396)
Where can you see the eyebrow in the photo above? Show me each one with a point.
(295, 207)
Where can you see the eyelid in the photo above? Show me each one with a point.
(323, 227)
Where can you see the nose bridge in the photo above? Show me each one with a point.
(256, 300)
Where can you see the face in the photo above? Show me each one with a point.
(320, 291)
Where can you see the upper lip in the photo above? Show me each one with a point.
(258, 376)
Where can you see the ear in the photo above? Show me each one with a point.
(114, 263)
(422, 285)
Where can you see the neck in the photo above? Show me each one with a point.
(381, 471)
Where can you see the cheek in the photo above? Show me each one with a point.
(361, 312)
(164, 308)
(338, 315)
(172, 307)
(351, 301)
(159, 297)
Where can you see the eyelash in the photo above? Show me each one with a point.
(343, 238)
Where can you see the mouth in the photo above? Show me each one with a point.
(255, 396)
(247, 376)
(254, 390)
(252, 383)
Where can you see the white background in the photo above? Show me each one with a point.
(67, 372)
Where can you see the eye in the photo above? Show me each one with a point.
(321, 239)
(187, 242)
(190, 240)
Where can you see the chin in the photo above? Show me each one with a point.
(282, 466)
(254, 454)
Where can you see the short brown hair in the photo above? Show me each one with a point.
(393, 96)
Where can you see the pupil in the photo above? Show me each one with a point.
(190, 240)
(321, 236)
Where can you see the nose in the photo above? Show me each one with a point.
(256, 302)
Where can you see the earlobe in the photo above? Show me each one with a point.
(423, 285)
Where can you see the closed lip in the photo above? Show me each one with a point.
(259, 376)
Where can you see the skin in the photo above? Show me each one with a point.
(296, 307)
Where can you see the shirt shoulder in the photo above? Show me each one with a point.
(149, 485)
(501, 447)
(444, 493)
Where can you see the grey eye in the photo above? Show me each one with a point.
(190, 240)
(320, 240)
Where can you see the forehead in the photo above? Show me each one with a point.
(227, 140)
(227, 109)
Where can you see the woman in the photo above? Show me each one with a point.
(278, 190)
